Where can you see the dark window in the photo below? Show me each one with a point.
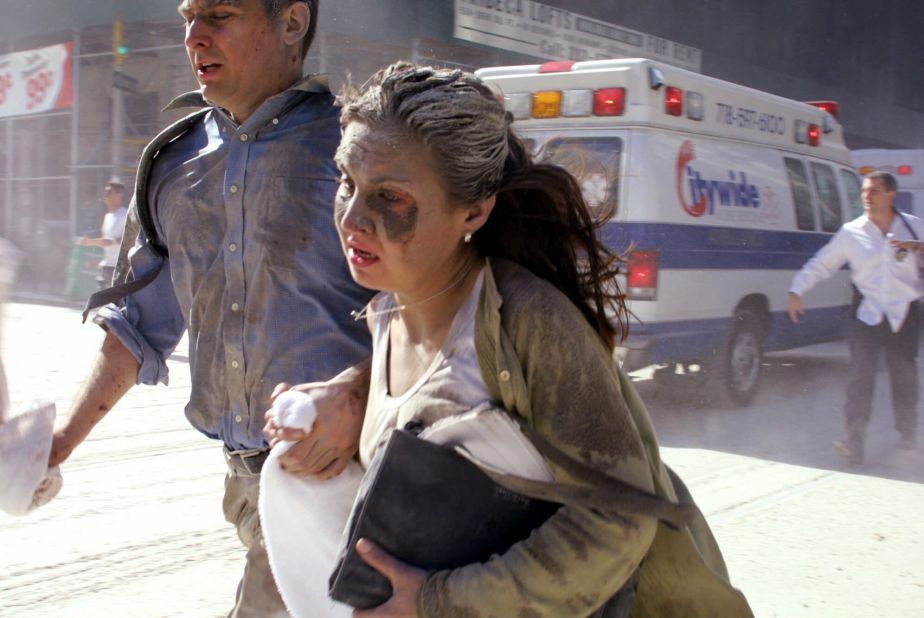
(852, 189)
(829, 199)
(801, 194)
(593, 161)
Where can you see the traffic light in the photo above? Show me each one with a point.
(119, 49)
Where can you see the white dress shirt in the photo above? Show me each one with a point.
(889, 280)
(112, 229)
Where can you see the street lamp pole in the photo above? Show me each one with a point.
(118, 101)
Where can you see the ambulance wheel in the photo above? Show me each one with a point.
(736, 371)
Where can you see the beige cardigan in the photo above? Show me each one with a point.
(541, 359)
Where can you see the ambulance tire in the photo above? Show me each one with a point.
(734, 375)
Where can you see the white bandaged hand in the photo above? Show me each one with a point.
(294, 410)
(303, 518)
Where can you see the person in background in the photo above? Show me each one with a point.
(249, 263)
(111, 232)
(495, 287)
(882, 248)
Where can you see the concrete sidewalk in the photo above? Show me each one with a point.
(137, 530)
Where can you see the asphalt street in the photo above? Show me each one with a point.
(137, 530)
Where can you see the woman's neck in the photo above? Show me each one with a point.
(427, 320)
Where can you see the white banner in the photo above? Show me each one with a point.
(36, 81)
(543, 31)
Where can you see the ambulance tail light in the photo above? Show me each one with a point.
(832, 107)
(814, 135)
(519, 104)
(673, 101)
(696, 109)
(577, 102)
(807, 133)
(547, 104)
(643, 274)
(610, 102)
(900, 170)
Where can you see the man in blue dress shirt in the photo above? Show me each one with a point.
(250, 264)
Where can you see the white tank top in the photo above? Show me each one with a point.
(452, 384)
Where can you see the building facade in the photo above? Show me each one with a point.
(53, 162)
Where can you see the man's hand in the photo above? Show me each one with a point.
(911, 245)
(62, 445)
(795, 307)
(325, 451)
(405, 579)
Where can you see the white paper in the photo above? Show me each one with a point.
(26, 482)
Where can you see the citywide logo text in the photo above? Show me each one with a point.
(700, 196)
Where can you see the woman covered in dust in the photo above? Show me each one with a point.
(494, 287)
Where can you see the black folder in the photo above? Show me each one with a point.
(432, 508)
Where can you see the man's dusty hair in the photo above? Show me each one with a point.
(273, 7)
(888, 180)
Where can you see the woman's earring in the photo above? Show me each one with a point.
(467, 238)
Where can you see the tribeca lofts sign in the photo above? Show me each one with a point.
(551, 33)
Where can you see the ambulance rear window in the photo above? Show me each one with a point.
(593, 161)
(829, 200)
(801, 194)
(852, 189)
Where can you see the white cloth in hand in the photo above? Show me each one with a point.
(303, 519)
(26, 482)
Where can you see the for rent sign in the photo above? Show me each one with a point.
(36, 81)
(548, 32)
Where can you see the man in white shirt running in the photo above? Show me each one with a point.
(111, 232)
(883, 249)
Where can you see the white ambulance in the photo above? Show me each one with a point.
(908, 168)
(722, 193)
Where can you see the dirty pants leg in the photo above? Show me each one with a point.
(257, 596)
(901, 351)
(865, 344)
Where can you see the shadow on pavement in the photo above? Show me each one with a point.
(794, 419)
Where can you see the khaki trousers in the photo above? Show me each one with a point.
(257, 596)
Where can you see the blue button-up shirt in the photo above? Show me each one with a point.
(255, 269)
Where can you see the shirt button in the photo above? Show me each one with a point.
(504, 376)
(235, 307)
(275, 120)
(244, 137)
(233, 188)
(232, 247)
(239, 418)
(235, 364)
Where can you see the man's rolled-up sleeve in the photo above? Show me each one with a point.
(151, 324)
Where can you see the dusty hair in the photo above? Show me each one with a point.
(540, 219)
(888, 180)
